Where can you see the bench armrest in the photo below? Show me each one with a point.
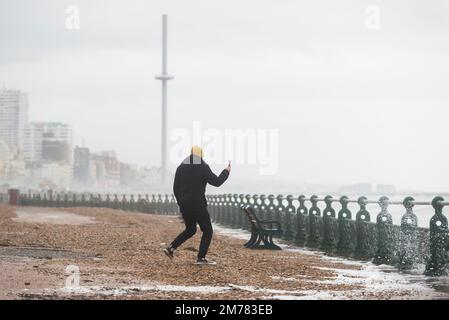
(270, 223)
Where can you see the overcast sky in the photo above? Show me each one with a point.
(352, 104)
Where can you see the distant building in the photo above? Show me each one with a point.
(385, 189)
(105, 168)
(48, 142)
(359, 188)
(81, 165)
(128, 174)
(142, 178)
(55, 174)
(13, 117)
(5, 154)
(151, 177)
(47, 151)
(5, 157)
(48, 175)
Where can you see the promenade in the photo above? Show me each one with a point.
(98, 253)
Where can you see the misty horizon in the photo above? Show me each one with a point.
(351, 105)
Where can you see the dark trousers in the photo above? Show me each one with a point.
(191, 219)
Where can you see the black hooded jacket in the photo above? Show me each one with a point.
(189, 186)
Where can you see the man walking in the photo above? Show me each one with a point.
(189, 187)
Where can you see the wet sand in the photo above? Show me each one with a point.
(119, 256)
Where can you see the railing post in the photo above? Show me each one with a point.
(314, 238)
(146, 203)
(240, 201)
(132, 203)
(124, 201)
(279, 211)
(385, 238)
(262, 208)
(221, 209)
(345, 244)
(115, 202)
(230, 208)
(224, 209)
(408, 249)
(58, 200)
(212, 209)
(270, 208)
(83, 200)
(21, 199)
(139, 203)
(72, 200)
(44, 200)
(288, 218)
(365, 245)
(246, 202)
(218, 216)
(51, 200)
(227, 200)
(153, 204)
(301, 221)
(66, 200)
(217, 208)
(174, 205)
(107, 203)
(166, 205)
(439, 244)
(254, 202)
(329, 242)
(234, 210)
(91, 201)
(159, 204)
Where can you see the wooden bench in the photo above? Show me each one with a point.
(262, 231)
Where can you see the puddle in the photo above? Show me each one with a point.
(42, 253)
(124, 290)
(49, 216)
(374, 279)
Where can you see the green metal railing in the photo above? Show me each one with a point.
(335, 230)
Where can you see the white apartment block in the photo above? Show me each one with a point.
(48, 141)
(13, 117)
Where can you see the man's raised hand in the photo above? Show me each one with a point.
(228, 167)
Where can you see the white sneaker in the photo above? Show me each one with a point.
(205, 261)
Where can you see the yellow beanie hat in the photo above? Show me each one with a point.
(197, 151)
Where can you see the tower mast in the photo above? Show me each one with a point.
(164, 77)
